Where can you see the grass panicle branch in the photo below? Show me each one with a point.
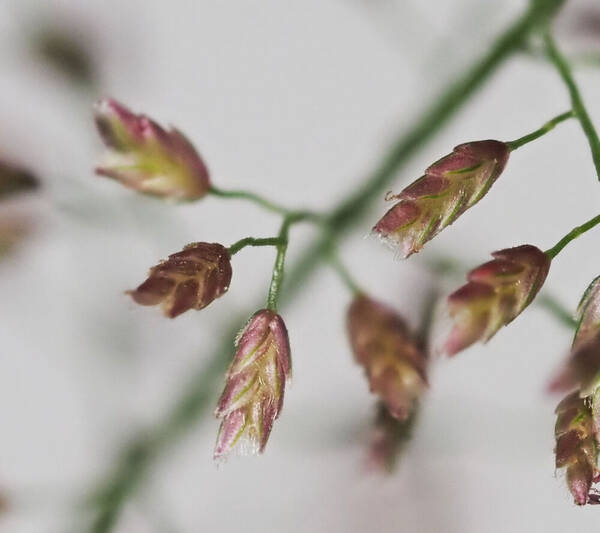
(550, 125)
(196, 397)
(566, 73)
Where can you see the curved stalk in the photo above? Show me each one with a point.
(550, 125)
(573, 234)
(197, 395)
(579, 108)
(252, 241)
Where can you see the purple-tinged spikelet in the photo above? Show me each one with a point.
(388, 438)
(588, 313)
(495, 294)
(581, 370)
(449, 187)
(582, 367)
(145, 157)
(576, 446)
(190, 279)
(255, 385)
(390, 354)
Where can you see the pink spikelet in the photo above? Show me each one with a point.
(255, 385)
(495, 294)
(190, 279)
(576, 446)
(581, 370)
(449, 187)
(389, 353)
(147, 158)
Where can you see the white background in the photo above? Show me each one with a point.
(298, 100)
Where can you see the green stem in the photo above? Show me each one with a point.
(296, 215)
(579, 108)
(251, 241)
(251, 197)
(350, 211)
(517, 143)
(109, 498)
(197, 395)
(278, 267)
(588, 58)
(311, 216)
(556, 309)
(343, 272)
(573, 234)
(132, 465)
(282, 244)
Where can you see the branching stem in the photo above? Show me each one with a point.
(343, 272)
(350, 211)
(251, 197)
(266, 204)
(557, 310)
(573, 234)
(252, 241)
(195, 398)
(522, 141)
(579, 108)
(278, 268)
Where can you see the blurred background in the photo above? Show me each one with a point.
(299, 101)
